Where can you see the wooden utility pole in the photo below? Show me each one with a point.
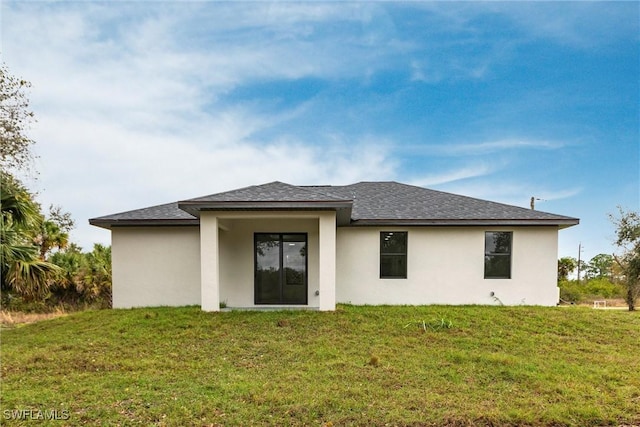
(532, 203)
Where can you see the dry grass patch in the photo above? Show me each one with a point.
(12, 319)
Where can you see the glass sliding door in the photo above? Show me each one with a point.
(267, 269)
(280, 268)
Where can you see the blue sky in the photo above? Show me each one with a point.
(142, 103)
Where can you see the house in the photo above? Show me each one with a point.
(281, 245)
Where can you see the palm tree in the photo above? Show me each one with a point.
(20, 267)
(17, 204)
(50, 236)
(96, 273)
(566, 265)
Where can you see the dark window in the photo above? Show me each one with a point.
(497, 254)
(393, 255)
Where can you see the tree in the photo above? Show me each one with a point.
(15, 118)
(628, 240)
(21, 269)
(599, 267)
(86, 276)
(54, 232)
(62, 219)
(566, 266)
(50, 236)
(27, 238)
(96, 279)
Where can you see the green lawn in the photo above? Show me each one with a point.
(357, 366)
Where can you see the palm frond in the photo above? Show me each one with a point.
(31, 279)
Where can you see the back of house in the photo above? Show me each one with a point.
(281, 245)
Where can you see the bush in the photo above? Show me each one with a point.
(604, 288)
(87, 277)
(572, 291)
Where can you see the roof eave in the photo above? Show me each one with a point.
(110, 223)
(561, 223)
(342, 207)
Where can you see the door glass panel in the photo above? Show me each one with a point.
(294, 263)
(268, 268)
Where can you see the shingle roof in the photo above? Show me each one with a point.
(363, 203)
(168, 213)
(272, 192)
(271, 196)
(393, 201)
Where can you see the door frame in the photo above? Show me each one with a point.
(303, 235)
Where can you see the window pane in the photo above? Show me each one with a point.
(393, 266)
(497, 242)
(497, 266)
(393, 254)
(497, 255)
(393, 243)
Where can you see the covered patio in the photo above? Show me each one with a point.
(253, 259)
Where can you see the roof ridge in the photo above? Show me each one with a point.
(305, 187)
(276, 190)
(227, 191)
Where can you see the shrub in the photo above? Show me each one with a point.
(570, 291)
(603, 287)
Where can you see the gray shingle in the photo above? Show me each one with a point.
(168, 213)
(396, 201)
(372, 203)
(272, 192)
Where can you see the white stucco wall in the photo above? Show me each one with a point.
(446, 266)
(237, 255)
(154, 266)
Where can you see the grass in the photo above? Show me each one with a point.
(366, 366)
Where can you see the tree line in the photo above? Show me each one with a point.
(606, 275)
(39, 267)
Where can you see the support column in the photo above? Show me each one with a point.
(327, 255)
(209, 263)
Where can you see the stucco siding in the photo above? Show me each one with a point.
(155, 266)
(237, 256)
(445, 265)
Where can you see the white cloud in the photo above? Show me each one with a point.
(581, 24)
(131, 97)
(573, 23)
(512, 193)
(102, 168)
(452, 175)
(488, 147)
